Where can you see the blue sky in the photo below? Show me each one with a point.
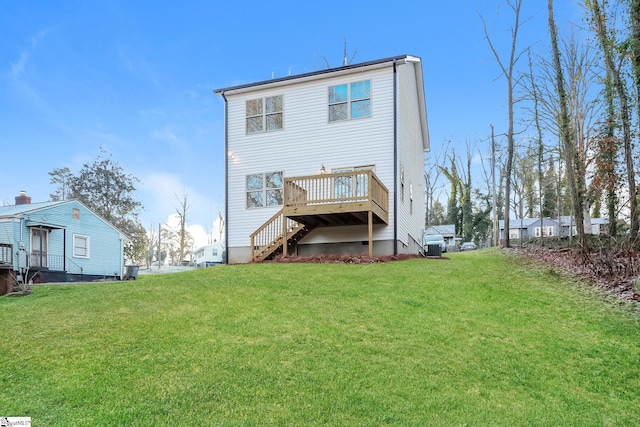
(137, 78)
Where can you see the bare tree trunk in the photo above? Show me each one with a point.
(540, 152)
(508, 71)
(607, 51)
(634, 13)
(494, 196)
(608, 155)
(567, 139)
(183, 234)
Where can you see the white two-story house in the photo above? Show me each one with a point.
(330, 161)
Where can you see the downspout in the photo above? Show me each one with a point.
(395, 159)
(64, 250)
(226, 178)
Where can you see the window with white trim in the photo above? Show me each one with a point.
(350, 101)
(80, 246)
(547, 231)
(264, 189)
(264, 114)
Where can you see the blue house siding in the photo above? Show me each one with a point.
(10, 234)
(60, 222)
(105, 246)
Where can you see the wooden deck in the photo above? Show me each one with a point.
(336, 199)
(325, 200)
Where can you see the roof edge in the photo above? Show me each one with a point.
(344, 68)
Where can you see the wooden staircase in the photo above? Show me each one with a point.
(326, 200)
(267, 241)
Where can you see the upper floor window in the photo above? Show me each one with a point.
(264, 189)
(264, 114)
(75, 213)
(350, 101)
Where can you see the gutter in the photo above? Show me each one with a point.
(395, 159)
(226, 178)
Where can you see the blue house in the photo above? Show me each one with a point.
(60, 241)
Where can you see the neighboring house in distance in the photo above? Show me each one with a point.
(448, 231)
(524, 228)
(209, 255)
(332, 159)
(59, 242)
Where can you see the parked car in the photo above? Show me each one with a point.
(468, 246)
(435, 239)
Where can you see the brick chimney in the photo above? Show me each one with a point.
(23, 199)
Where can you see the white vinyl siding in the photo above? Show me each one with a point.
(411, 201)
(308, 143)
(311, 141)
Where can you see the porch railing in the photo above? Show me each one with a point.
(38, 259)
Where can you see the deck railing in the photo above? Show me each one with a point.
(318, 190)
(343, 187)
(269, 234)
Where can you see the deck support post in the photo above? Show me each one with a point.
(253, 248)
(370, 224)
(284, 235)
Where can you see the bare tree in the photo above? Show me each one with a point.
(508, 70)
(432, 182)
(184, 238)
(347, 58)
(566, 137)
(539, 144)
(153, 246)
(608, 46)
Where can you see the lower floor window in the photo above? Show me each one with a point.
(264, 189)
(80, 246)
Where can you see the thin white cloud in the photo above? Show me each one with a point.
(18, 67)
(152, 112)
(166, 134)
(104, 137)
(138, 67)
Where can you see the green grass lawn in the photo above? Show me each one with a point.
(476, 339)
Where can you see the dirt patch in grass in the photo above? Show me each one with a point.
(615, 271)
